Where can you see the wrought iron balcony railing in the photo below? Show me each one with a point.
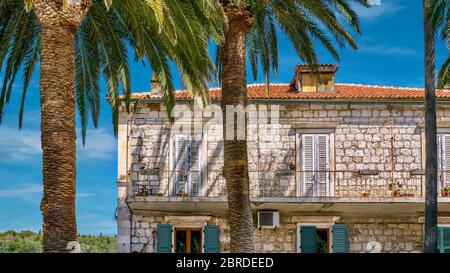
(365, 184)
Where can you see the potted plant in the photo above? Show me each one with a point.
(446, 192)
(395, 187)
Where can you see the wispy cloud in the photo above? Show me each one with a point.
(18, 145)
(385, 49)
(25, 191)
(24, 145)
(376, 11)
(99, 144)
(31, 192)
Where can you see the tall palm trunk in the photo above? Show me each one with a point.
(234, 93)
(430, 236)
(57, 87)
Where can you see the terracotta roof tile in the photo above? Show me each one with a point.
(341, 92)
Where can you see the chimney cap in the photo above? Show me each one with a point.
(155, 87)
(322, 68)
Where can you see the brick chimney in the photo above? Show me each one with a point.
(307, 80)
(155, 87)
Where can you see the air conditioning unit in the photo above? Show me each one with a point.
(268, 219)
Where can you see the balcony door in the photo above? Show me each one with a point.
(443, 142)
(187, 176)
(315, 162)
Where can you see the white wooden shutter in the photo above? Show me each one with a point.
(439, 160)
(322, 167)
(181, 163)
(446, 159)
(195, 174)
(307, 164)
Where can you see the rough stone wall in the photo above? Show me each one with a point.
(385, 235)
(375, 136)
(402, 234)
(143, 232)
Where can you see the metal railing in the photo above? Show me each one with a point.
(290, 183)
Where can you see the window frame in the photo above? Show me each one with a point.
(442, 156)
(202, 158)
(188, 237)
(442, 250)
(329, 133)
(328, 226)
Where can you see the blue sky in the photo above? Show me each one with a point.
(390, 53)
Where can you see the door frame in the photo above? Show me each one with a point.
(328, 226)
(188, 237)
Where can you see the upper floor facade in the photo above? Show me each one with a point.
(338, 143)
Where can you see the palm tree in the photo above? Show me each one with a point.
(76, 43)
(439, 18)
(431, 23)
(252, 26)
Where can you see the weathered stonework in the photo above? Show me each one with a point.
(383, 137)
(366, 235)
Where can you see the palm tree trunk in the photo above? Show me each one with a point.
(57, 77)
(57, 86)
(430, 235)
(234, 93)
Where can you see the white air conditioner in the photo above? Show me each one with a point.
(268, 219)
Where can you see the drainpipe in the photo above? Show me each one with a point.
(128, 191)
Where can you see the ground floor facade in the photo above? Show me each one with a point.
(152, 232)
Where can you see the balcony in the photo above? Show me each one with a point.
(288, 188)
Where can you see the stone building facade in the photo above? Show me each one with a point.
(342, 167)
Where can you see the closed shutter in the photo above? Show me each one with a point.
(444, 239)
(308, 240)
(322, 165)
(308, 164)
(195, 167)
(315, 165)
(340, 238)
(181, 163)
(164, 236)
(211, 239)
(440, 162)
(446, 159)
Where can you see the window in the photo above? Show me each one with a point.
(323, 238)
(187, 156)
(444, 239)
(315, 176)
(444, 159)
(188, 240)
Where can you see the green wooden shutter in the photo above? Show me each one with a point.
(340, 239)
(444, 239)
(308, 243)
(211, 239)
(164, 243)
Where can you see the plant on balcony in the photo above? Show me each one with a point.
(182, 194)
(284, 172)
(396, 188)
(446, 192)
(291, 166)
(153, 171)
